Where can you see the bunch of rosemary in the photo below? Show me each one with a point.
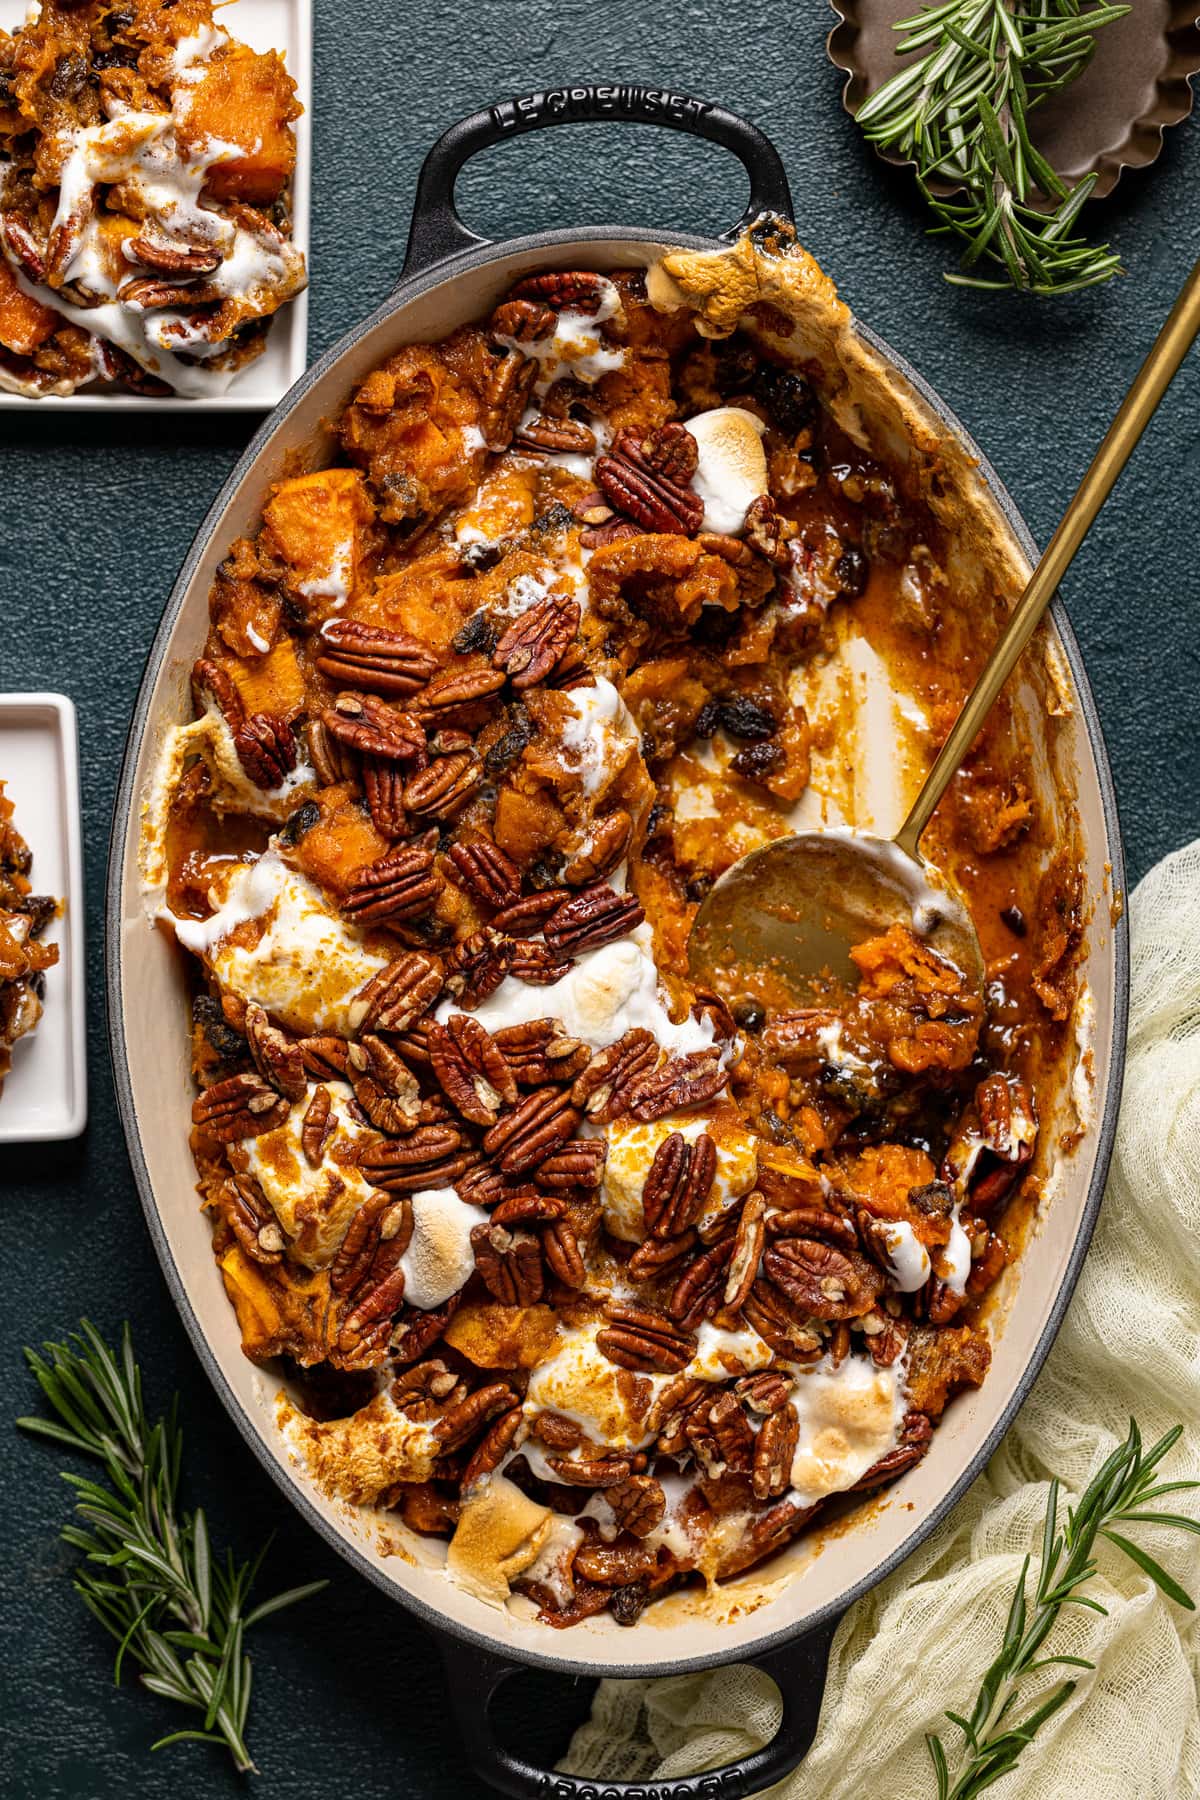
(1117, 1495)
(149, 1574)
(960, 112)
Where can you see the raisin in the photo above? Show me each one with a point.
(659, 820)
(302, 820)
(505, 751)
(39, 909)
(852, 570)
(628, 1603)
(477, 634)
(479, 558)
(555, 519)
(745, 719)
(698, 887)
(69, 78)
(737, 365)
(1014, 918)
(757, 761)
(781, 1133)
(749, 1015)
(227, 1044)
(789, 399)
(546, 870)
(708, 719)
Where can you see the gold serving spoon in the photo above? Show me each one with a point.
(786, 916)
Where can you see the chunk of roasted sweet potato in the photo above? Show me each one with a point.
(341, 841)
(941, 1361)
(245, 98)
(315, 523)
(428, 599)
(24, 323)
(527, 823)
(272, 683)
(502, 1337)
(277, 1314)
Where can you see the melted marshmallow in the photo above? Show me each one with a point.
(439, 1259)
(732, 470)
(849, 1417)
(908, 1259)
(602, 734)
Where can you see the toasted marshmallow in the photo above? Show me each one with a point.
(439, 1259)
(733, 465)
(500, 1533)
(605, 1401)
(364, 1455)
(303, 965)
(908, 1259)
(609, 991)
(631, 1149)
(849, 1418)
(314, 1206)
(720, 1354)
(601, 733)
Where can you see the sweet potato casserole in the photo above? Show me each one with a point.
(612, 1284)
(24, 959)
(144, 213)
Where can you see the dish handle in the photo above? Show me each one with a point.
(798, 1668)
(437, 232)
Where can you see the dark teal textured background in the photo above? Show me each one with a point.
(96, 517)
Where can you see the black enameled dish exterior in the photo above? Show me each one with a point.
(440, 250)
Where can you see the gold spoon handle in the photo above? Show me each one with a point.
(1153, 378)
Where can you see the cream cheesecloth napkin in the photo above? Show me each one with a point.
(1130, 1345)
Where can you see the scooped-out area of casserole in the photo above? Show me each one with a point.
(145, 220)
(614, 1285)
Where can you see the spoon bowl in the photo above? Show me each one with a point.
(780, 924)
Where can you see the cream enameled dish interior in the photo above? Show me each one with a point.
(152, 1036)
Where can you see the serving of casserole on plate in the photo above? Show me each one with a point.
(612, 1287)
(153, 203)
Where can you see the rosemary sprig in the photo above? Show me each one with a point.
(150, 1575)
(960, 113)
(994, 1735)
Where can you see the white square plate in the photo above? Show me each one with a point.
(45, 1093)
(284, 25)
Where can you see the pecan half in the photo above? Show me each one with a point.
(316, 1127)
(772, 1316)
(748, 1244)
(593, 1472)
(697, 1294)
(266, 749)
(561, 1249)
(827, 1283)
(658, 1257)
(774, 1449)
(507, 388)
(594, 916)
(678, 1183)
(672, 451)
(527, 915)
(522, 320)
(456, 688)
(357, 655)
(241, 1106)
(813, 1222)
(730, 1429)
(509, 1264)
(373, 728)
(638, 1504)
(916, 1434)
(535, 640)
(541, 1052)
(682, 1081)
(277, 1059)
(638, 1338)
(444, 788)
(605, 1086)
(399, 994)
(470, 1415)
(326, 1058)
(415, 1331)
(172, 256)
(630, 482)
(579, 1164)
(568, 435)
(562, 290)
(414, 1162)
(333, 760)
(537, 1126)
(503, 1435)
(604, 846)
(383, 786)
(536, 963)
(364, 1234)
(476, 967)
(491, 878)
(470, 1069)
(765, 1391)
(387, 1090)
(399, 886)
(212, 684)
(251, 1220)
